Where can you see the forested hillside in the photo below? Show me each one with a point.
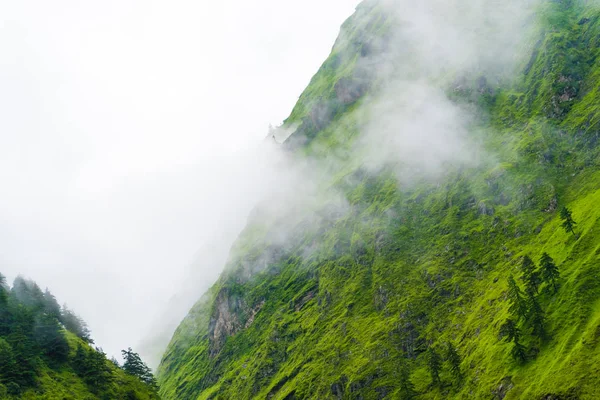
(46, 353)
(456, 254)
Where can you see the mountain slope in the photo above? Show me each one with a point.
(401, 289)
(45, 352)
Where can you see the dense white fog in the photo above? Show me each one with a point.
(128, 132)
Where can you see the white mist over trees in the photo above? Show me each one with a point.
(131, 149)
(126, 144)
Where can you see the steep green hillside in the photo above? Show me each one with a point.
(403, 289)
(45, 352)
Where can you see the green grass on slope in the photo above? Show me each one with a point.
(350, 308)
(64, 384)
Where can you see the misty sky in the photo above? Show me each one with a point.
(127, 131)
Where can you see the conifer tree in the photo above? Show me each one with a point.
(79, 361)
(134, 365)
(24, 351)
(536, 319)
(518, 306)
(5, 317)
(92, 366)
(51, 306)
(567, 220)
(100, 374)
(518, 352)
(434, 364)
(7, 360)
(50, 338)
(407, 389)
(74, 324)
(530, 276)
(511, 333)
(454, 361)
(28, 293)
(550, 273)
(4, 289)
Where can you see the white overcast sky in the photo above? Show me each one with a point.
(124, 135)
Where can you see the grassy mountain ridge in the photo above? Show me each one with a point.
(46, 353)
(359, 304)
(65, 383)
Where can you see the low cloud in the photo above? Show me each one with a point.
(128, 145)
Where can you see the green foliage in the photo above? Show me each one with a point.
(509, 331)
(406, 389)
(434, 364)
(454, 360)
(7, 360)
(530, 276)
(73, 323)
(518, 306)
(50, 337)
(535, 317)
(349, 307)
(567, 220)
(518, 352)
(51, 306)
(134, 365)
(39, 358)
(549, 271)
(92, 366)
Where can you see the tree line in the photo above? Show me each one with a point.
(527, 319)
(526, 313)
(33, 335)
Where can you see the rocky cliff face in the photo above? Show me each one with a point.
(230, 315)
(225, 320)
(404, 292)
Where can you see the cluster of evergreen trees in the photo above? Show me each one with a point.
(438, 359)
(527, 314)
(33, 335)
(32, 332)
(134, 365)
(95, 370)
(435, 361)
(92, 367)
(568, 223)
(526, 311)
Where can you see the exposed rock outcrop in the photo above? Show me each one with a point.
(230, 315)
